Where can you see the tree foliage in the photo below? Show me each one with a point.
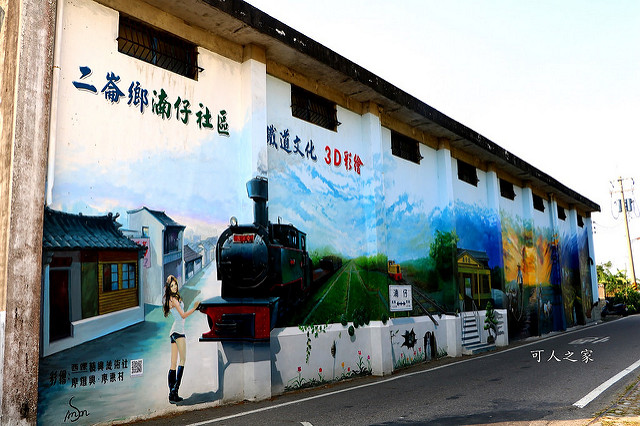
(614, 283)
(443, 252)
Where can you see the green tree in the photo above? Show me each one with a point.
(613, 283)
(491, 323)
(443, 252)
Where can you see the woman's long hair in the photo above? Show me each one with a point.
(168, 294)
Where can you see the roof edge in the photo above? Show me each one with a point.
(270, 26)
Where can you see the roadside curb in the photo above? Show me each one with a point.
(625, 411)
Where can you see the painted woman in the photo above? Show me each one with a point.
(172, 302)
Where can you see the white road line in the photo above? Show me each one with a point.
(390, 379)
(597, 391)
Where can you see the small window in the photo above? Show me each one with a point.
(405, 147)
(109, 277)
(315, 109)
(506, 189)
(538, 203)
(580, 221)
(562, 215)
(145, 232)
(128, 275)
(157, 47)
(467, 173)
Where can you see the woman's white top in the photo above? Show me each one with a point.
(178, 321)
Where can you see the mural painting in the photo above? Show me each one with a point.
(162, 239)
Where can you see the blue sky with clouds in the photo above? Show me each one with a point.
(553, 82)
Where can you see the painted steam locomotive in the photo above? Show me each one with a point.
(265, 271)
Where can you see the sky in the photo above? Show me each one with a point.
(555, 83)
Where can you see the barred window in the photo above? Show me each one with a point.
(405, 147)
(580, 221)
(538, 203)
(506, 189)
(315, 109)
(562, 215)
(467, 173)
(157, 47)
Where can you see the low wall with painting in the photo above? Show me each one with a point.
(304, 357)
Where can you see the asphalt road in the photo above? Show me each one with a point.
(558, 377)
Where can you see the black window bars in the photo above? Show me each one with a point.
(313, 108)
(158, 47)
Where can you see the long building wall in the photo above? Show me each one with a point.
(126, 134)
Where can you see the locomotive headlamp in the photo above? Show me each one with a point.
(233, 221)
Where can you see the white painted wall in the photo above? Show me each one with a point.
(378, 348)
(466, 192)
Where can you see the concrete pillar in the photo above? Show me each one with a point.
(381, 350)
(527, 203)
(445, 175)
(27, 38)
(553, 216)
(588, 228)
(493, 189)
(493, 202)
(254, 103)
(376, 220)
(244, 371)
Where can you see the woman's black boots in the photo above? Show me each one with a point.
(174, 384)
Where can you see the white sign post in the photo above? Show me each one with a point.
(400, 298)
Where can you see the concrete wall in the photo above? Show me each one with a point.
(27, 36)
(107, 156)
(329, 353)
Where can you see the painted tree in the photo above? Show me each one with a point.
(491, 323)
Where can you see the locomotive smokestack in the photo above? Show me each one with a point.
(258, 190)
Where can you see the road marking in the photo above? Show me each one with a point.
(393, 378)
(597, 391)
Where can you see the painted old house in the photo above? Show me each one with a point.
(165, 249)
(185, 102)
(91, 279)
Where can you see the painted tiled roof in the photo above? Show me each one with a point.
(480, 256)
(66, 231)
(160, 216)
(190, 254)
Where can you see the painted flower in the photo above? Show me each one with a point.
(299, 369)
(359, 352)
(368, 356)
(349, 369)
(343, 365)
(320, 370)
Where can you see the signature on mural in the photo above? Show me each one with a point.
(75, 413)
(586, 356)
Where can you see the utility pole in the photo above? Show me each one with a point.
(623, 207)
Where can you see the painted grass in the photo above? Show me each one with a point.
(351, 288)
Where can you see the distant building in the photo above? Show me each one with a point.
(91, 280)
(192, 262)
(165, 250)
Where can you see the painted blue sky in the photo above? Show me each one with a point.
(329, 204)
(553, 82)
